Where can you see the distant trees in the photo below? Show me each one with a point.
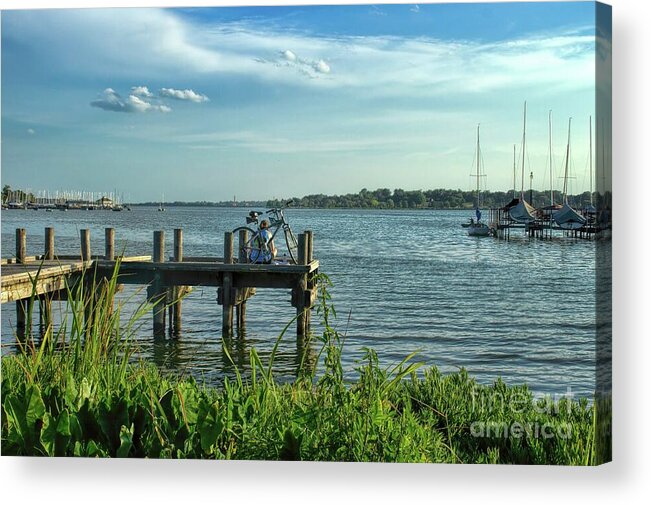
(384, 198)
(16, 195)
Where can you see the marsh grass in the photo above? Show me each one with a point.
(81, 392)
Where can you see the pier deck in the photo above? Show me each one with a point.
(25, 279)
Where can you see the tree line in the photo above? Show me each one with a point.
(382, 198)
(385, 198)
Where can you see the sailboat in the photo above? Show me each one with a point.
(590, 212)
(548, 212)
(478, 229)
(522, 212)
(161, 208)
(567, 218)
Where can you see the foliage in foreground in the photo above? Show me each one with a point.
(78, 393)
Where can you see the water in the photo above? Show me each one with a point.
(523, 310)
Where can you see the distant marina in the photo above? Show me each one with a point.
(62, 200)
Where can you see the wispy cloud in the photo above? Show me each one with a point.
(382, 65)
(183, 94)
(111, 101)
(376, 11)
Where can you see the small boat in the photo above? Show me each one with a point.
(477, 228)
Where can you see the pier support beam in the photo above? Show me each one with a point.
(227, 287)
(155, 292)
(301, 288)
(90, 295)
(240, 308)
(176, 292)
(85, 244)
(21, 305)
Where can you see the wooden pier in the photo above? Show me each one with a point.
(25, 280)
(542, 228)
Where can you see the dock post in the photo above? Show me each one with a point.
(310, 257)
(175, 307)
(155, 293)
(48, 253)
(109, 244)
(240, 308)
(89, 287)
(301, 287)
(85, 244)
(227, 287)
(21, 305)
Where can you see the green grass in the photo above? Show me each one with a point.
(81, 392)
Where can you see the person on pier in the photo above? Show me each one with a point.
(264, 250)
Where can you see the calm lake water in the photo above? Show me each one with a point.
(404, 281)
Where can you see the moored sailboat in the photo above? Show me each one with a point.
(567, 218)
(477, 228)
(522, 212)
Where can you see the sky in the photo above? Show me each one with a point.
(255, 103)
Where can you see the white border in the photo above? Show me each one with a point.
(626, 480)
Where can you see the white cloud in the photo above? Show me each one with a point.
(289, 55)
(110, 100)
(142, 91)
(31, 131)
(185, 94)
(415, 8)
(322, 67)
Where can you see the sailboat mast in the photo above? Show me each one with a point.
(567, 161)
(524, 138)
(551, 169)
(514, 171)
(478, 166)
(590, 160)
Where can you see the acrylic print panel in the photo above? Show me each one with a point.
(341, 233)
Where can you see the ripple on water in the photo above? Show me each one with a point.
(523, 310)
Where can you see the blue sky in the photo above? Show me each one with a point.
(207, 104)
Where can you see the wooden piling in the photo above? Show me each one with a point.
(310, 257)
(242, 238)
(310, 244)
(155, 292)
(21, 245)
(109, 244)
(176, 307)
(227, 287)
(242, 257)
(48, 253)
(85, 244)
(299, 297)
(21, 305)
